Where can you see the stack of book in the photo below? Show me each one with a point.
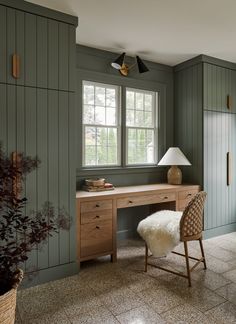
(94, 185)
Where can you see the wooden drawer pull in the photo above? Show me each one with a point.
(189, 195)
(16, 66)
(130, 202)
(166, 197)
(97, 216)
(229, 102)
(98, 227)
(97, 205)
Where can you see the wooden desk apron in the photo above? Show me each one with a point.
(97, 213)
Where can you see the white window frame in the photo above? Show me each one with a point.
(155, 114)
(118, 126)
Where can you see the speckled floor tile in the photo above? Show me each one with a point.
(231, 275)
(160, 299)
(121, 300)
(199, 297)
(17, 317)
(106, 283)
(141, 315)
(98, 315)
(228, 292)
(219, 252)
(224, 313)
(105, 292)
(209, 279)
(138, 282)
(76, 305)
(218, 265)
(185, 314)
(37, 300)
(47, 319)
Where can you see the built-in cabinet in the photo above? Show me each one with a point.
(219, 88)
(36, 51)
(37, 110)
(205, 107)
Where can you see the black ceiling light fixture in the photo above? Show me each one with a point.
(124, 69)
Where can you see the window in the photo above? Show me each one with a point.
(141, 127)
(102, 126)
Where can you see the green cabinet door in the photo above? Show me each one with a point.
(216, 146)
(219, 83)
(232, 166)
(3, 44)
(45, 49)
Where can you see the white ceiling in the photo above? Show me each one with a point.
(163, 31)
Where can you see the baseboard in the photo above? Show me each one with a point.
(219, 230)
(127, 234)
(46, 275)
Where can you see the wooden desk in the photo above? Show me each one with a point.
(97, 213)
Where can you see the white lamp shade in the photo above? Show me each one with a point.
(174, 157)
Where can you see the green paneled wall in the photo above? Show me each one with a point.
(206, 130)
(95, 65)
(37, 113)
(189, 120)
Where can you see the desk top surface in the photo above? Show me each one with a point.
(120, 191)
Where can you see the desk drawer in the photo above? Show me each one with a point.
(185, 197)
(145, 199)
(96, 216)
(95, 205)
(187, 194)
(96, 238)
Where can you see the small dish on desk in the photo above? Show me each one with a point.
(99, 182)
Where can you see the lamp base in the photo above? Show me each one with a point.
(174, 175)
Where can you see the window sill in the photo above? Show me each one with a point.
(118, 170)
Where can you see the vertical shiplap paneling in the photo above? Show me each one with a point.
(188, 120)
(72, 58)
(72, 176)
(11, 119)
(31, 150)
(3, 119)
(53, 169)
(20, 45)
(42, 171)
(30, 50)
(63, 118)
(219, 83)
(20, 120)
(3, 44)
(11, 43)
(42, 52)
(53, 57)
(64, 171)
(212, 80)
(63, 50)
(233, 90)
(216, 139)
(232, 187)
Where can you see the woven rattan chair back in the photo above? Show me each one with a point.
(191, 223)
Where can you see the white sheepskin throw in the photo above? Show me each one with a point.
(161, 231)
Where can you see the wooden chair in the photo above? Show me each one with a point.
(191, 226)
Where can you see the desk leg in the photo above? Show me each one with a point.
(114, 232)
(114, 257)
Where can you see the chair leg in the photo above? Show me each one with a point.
(187, 263)
(146, 257)
(203, 255)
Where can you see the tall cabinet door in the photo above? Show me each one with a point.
(216, 147)
(232, 169)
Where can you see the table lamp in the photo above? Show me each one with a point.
(174, 157)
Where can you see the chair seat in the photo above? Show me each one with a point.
(161, 231)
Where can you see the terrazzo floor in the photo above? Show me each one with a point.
(121, 292)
